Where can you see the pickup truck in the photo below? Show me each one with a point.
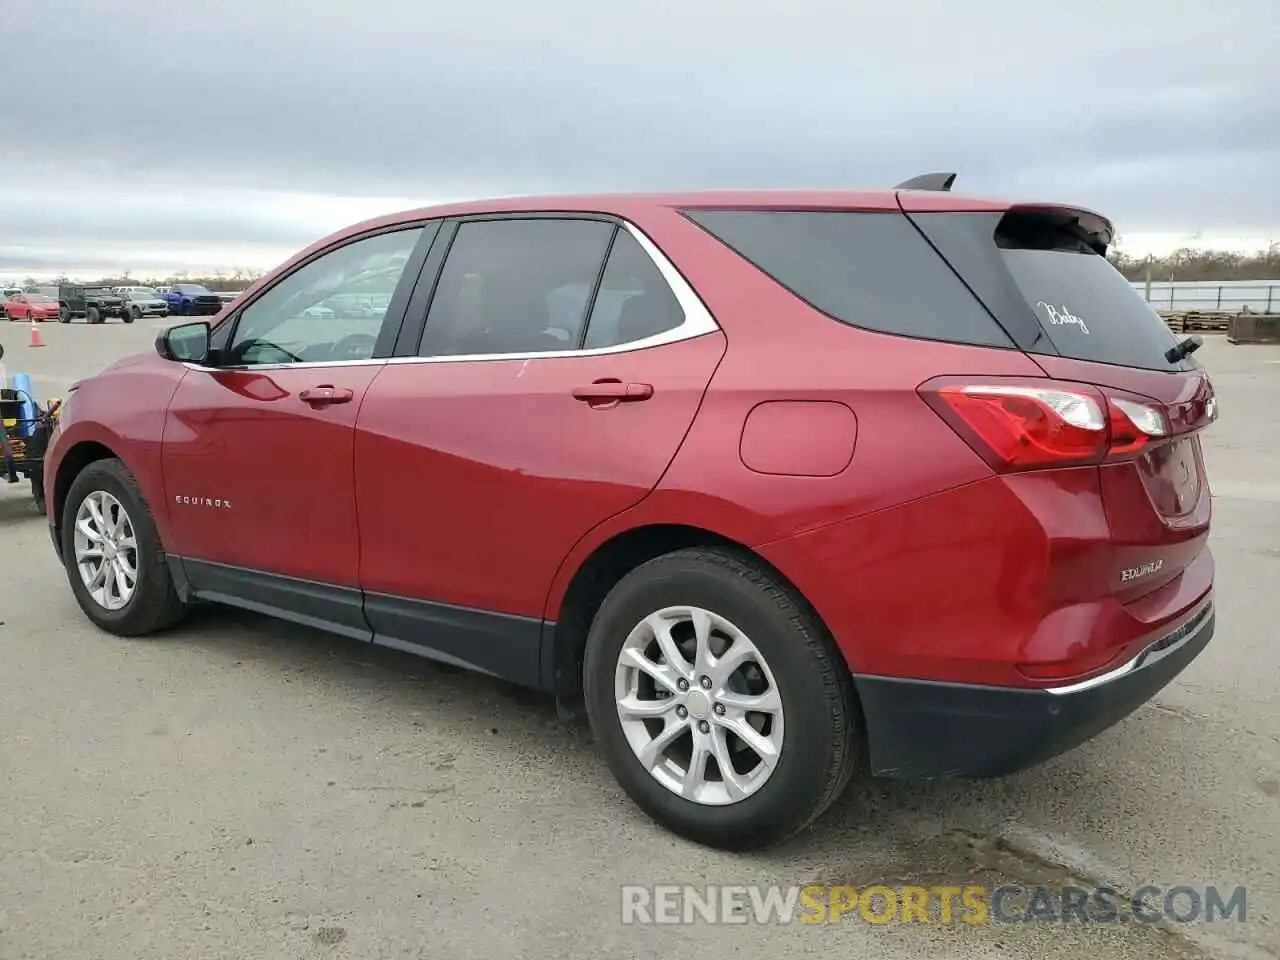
(92, 303)
(191, 299)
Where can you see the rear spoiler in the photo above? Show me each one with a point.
(1094, 228)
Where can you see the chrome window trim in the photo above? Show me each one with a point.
(697, 322)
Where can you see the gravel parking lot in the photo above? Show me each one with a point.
(244, 789)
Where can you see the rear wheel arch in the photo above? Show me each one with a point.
(604, 567)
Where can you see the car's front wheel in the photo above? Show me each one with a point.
(719, 700)
(113, 555)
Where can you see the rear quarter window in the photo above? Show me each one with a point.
(869, 270)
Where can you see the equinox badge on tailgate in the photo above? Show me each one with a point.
(1143, 570)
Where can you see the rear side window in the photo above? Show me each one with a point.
(634, 300)
(515, 286)
(869, 270)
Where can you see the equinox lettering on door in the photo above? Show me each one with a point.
(1133, 573)
(202, 502)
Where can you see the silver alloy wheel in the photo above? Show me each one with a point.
(699, 705)
(106, 549)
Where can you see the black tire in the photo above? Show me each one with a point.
(130, 315)
(64, 315)
(93, 315)
(821, 745)
(155, 604)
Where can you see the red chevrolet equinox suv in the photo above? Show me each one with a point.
(776, 486)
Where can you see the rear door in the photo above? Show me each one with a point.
(1043, 273)
(527, 410)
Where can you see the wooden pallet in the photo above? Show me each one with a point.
(1206, 321)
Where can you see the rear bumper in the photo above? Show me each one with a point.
(922, 729)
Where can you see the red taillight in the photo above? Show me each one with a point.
(1026, 425)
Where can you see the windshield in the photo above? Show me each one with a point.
(142, 292)
(191, 288)
(38, 298)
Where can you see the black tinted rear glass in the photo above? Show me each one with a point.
(1088, 310)
(1048, 265)
(870, 270)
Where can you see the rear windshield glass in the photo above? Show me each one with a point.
(1044, 275)
(1085, 307)
(869, 270)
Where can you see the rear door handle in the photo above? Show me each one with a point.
(325, 394)
(613, 391)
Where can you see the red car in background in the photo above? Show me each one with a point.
(780, 487)
(30, 306)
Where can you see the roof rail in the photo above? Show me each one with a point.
(929, 181)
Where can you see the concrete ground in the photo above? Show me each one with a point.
(246, 789)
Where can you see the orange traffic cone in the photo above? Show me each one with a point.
(36, 339)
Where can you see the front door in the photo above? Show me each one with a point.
(533, 410)
(258, 445)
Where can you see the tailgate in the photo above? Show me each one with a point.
(1043, 274)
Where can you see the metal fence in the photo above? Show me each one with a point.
(1227, 297)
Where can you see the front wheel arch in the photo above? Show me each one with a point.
(72, 464)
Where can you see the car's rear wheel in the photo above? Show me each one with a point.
(64, 315)
(721, 705)
(113, 555)
(131, 315)
(93, 315)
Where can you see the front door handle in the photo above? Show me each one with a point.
(613, 391)
(325, 394)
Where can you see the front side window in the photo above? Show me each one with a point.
(515, 286)
(330, 310)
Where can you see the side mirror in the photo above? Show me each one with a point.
(185, 343)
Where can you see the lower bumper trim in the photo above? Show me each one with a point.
(922, 729)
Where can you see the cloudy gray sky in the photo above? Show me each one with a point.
(156, 135)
